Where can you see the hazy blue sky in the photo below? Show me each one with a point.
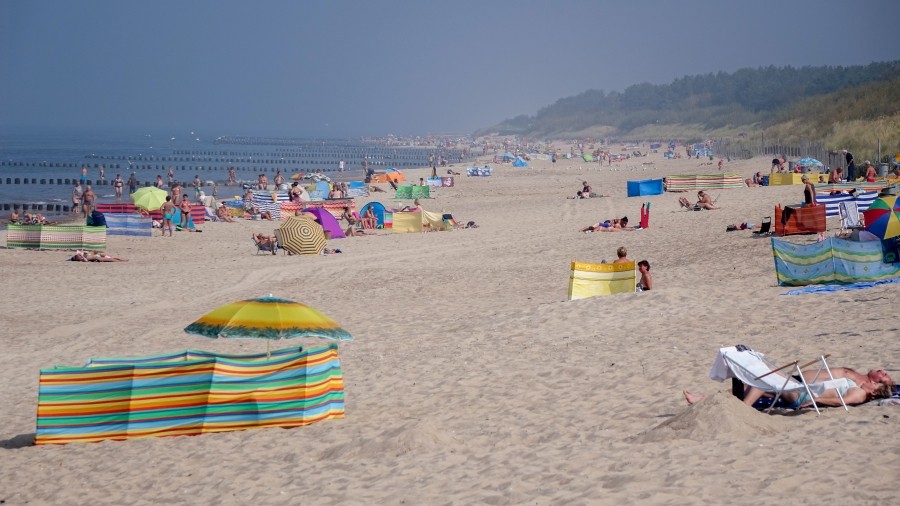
(341, 68)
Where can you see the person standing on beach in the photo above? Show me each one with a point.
(279, 179)
(84, 174)
(197, 184)
(185, 212)
(341, 166)
(171, 175)
(87, 199)
(132, 183)
(870, 172)
(176, 194)
(119, 185)
(159, 181)
(168, 210)
(76, 197)
(851, 166)
(102, 173)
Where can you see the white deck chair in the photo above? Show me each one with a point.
(755, 370)
(849, 213)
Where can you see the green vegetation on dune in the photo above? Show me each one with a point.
(845, 106)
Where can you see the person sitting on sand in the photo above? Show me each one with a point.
(14, 216)
(584, 193)
(703, 202)
(415, 207)
(351, 218)
(621, 256)
(646, 282)
(369, 220)
(224, 214)
(613, 225)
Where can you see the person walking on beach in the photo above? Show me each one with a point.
(132, 183)
(76, 197)
(168, 210)
(119, 185)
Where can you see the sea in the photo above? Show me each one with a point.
(39, 166)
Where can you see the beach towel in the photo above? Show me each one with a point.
(188, 393)
(592, 280)
(357, 189)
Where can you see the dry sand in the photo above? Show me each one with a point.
(471, 379)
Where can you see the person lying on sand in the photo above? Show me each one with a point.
(613, 225)
(83, 256)
(876, 384)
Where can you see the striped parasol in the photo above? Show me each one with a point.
(302, 236)
(883, 217)
(267, 318)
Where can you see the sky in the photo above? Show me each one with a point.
(362, 67)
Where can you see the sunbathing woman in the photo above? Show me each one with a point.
(614, 225)
(266, 242)
(82, 256)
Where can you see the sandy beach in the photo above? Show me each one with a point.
(471, 378)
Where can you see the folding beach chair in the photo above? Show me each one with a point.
(754, 369)
(850, 218)
(765, 226)
(264, 247)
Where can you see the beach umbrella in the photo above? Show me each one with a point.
(268, 318)
(883, 217)
(149, 198)
(809, 162)
(302, 236)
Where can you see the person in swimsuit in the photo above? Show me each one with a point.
(84, 256)
(185, 211)
(168, 210)
(613, 225)
(87, 199)
(877, 384)
(870, 172)
(646, 282)
(76, 198)
(119, 185)
(809, 192)
(132, 183)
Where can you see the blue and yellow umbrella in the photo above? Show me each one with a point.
(267, 318)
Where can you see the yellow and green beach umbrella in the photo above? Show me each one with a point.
(267, 318)
(149, 198)
(883, 217)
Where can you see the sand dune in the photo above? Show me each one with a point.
(471, 379)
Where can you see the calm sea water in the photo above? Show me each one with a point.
(51, 155)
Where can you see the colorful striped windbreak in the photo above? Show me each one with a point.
(188, 393)
(832, 261)
(56, 237)
(591, 280)
(703, 182)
